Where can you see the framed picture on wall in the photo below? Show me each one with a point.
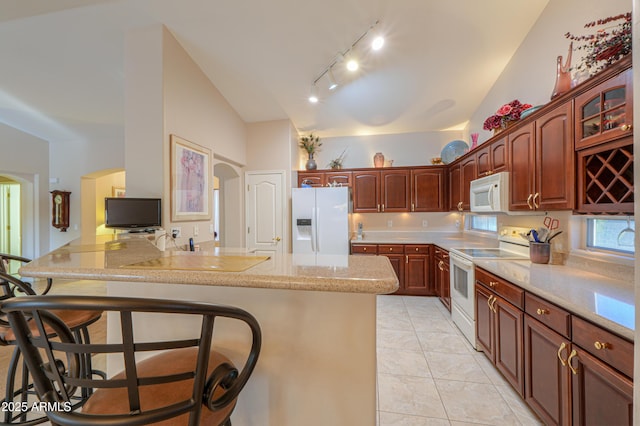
(190, 181)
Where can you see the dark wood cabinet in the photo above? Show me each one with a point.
(342, 178)
(428, 190)
(366, 191)
(468, 173)
(395, 188)
(325, 178)
(555, 181)
(381, 191)
(418, 279)
(411, 263)
(605, 178)
(600, 395)
(441, 275)
(455, 188)
(547, 380)
(499, 326)
(460, 176)
(605, 112)
(541, 163)
(492, 158)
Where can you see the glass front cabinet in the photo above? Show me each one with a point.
(605, 112)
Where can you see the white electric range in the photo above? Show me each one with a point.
(511, 246)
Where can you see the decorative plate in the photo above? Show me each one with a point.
(453, 150)
(530, 111)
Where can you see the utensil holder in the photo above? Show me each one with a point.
(539, 252)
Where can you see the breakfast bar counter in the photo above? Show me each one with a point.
(317, 314)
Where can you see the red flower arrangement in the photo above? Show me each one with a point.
(506, 113)
(606, 46)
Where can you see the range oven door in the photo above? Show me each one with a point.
(462, 283)
(463, 296)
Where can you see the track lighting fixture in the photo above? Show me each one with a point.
(332, 80)
(350, 62)
(313, 94)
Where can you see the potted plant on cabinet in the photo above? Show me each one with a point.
(311, 144)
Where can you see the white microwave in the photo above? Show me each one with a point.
(490, 194)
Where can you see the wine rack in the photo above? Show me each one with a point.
(606, 178)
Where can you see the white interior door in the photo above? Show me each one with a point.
(265, 215)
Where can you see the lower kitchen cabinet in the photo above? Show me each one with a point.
(411, 263)
(441, 276)
(568, 370)
(547, 382)
(499, 327)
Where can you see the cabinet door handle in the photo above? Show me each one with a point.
(489, 301)
(413, 207)
(378, 207)
(383, 207)
(492, 305)
(441, 265)
(492, 284)
(536, 205)
(573, 355)
(460, 206)
(625, 127)
(562, 347)
(364, 249)
(601, 345)
(406, 259)
(529, 201)
(541, 311)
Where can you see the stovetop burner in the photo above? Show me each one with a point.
(489, 253)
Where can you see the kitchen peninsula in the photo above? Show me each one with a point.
(317, 314)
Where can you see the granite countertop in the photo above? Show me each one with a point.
(109, 258)
(603, 300)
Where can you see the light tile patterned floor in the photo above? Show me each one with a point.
(428, 374)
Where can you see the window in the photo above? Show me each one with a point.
(611, 235)
(484, 223)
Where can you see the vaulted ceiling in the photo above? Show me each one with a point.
(62, 60)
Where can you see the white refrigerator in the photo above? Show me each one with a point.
(320, 220)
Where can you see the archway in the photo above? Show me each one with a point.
(229, 208)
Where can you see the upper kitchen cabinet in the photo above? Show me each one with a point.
(541, 162)
(376, 191)
(325, 177)
(492, 158)
(605, 112)
(428, 189)
(460, 176)
(310, 178)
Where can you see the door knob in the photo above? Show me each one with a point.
(276, 239)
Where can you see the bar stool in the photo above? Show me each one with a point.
(17, 396)
(168, 388)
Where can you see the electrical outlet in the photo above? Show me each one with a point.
(175, 232)
(196, 230)
(425, 223)
(389, 223)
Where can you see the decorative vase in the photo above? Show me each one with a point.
(378, 160)
(311, 163)
(563, 75)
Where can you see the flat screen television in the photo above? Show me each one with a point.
(133, 213)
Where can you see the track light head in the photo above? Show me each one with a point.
(352, 64)
(377, 43)
(332, 80)
(313, 94)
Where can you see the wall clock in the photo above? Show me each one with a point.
(60, 210)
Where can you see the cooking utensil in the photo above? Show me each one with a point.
(534, 234)
(551, 223)
(543, 234)
(553, 236)
(627, 235)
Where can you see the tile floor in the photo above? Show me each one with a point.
(428, 374)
